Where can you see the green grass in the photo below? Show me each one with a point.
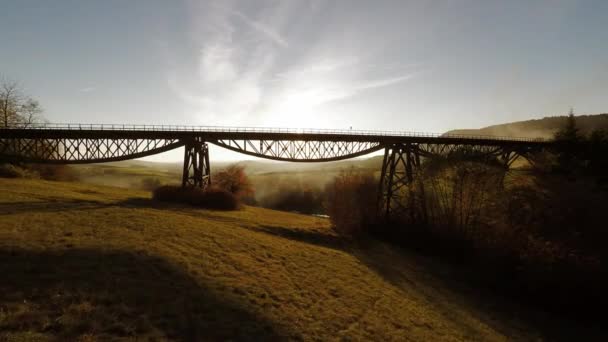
(84, 262)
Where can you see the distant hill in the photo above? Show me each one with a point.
(540, 128)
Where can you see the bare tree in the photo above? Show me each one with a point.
(16, 109)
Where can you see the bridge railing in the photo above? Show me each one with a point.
(186, 128)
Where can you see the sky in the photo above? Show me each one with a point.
(427, 66)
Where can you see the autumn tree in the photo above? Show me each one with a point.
(234, 180)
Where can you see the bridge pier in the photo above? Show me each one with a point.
(197, 171)
(396, 194)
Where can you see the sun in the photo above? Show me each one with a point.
(305, 109)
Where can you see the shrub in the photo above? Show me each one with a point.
(351, 202)
(14, 171)
(48, 172)
(212, 198)
(233, 179)
(456, 197)
(55, 172)
(150, 183)
(292, 195)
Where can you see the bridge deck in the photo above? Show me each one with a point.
(210, 133)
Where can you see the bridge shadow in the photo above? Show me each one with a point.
(50, 205)
(444, 287)
(305, 235)
(116, 294)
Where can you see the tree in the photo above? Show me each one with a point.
(234, 180)
(569, 132)
(570, 145)
(16, 109)
(597, 150)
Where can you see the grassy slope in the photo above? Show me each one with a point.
(93, 262)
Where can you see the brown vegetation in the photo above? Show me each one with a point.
(212, 198)
(234, 180)
(291, 194)
(537, 234)
(47, 172)
(351, 202)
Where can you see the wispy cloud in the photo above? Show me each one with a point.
(323, 93)
(265, 80)
(268, 31)
(371, 84)
(88, 89)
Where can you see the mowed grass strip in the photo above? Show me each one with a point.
(96, 263)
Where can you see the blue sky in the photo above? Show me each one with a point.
(403, 65)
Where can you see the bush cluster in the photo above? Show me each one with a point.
(212, 198)
(291, 195)
(47, 172)
(538, 236)
(149, 183)
(14, 171)
(351, 202)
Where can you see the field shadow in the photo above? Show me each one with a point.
(442, 284)
(304, 235)
(443, 288)
(50, 205)
(116, 294)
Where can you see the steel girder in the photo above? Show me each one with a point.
(81, 150)
(300, 151)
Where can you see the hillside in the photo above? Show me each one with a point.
(94, 263)
(540, 128)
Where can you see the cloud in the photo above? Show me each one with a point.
(268, 31)
(321, 93)
(227, 78)
(88, 89)
(216, 63)
(383, 82)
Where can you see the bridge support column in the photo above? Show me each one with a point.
(197, 171)
(396, 195)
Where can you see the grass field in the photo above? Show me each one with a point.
(85, 262)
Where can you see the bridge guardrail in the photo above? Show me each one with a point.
(186, 128)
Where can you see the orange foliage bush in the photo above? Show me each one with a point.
(233, 179)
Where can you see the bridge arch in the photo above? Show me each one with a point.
(310, 151)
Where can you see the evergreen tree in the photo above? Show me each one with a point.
(569, 132)
(569, 145)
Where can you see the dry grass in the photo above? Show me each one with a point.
(82, 262)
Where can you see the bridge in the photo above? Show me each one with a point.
(403, 151)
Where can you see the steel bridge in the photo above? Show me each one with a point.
(403, 151)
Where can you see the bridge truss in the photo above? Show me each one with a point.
(402, 165)
(82, 150)
(404, 153)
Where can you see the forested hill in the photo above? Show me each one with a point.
(540, 128)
